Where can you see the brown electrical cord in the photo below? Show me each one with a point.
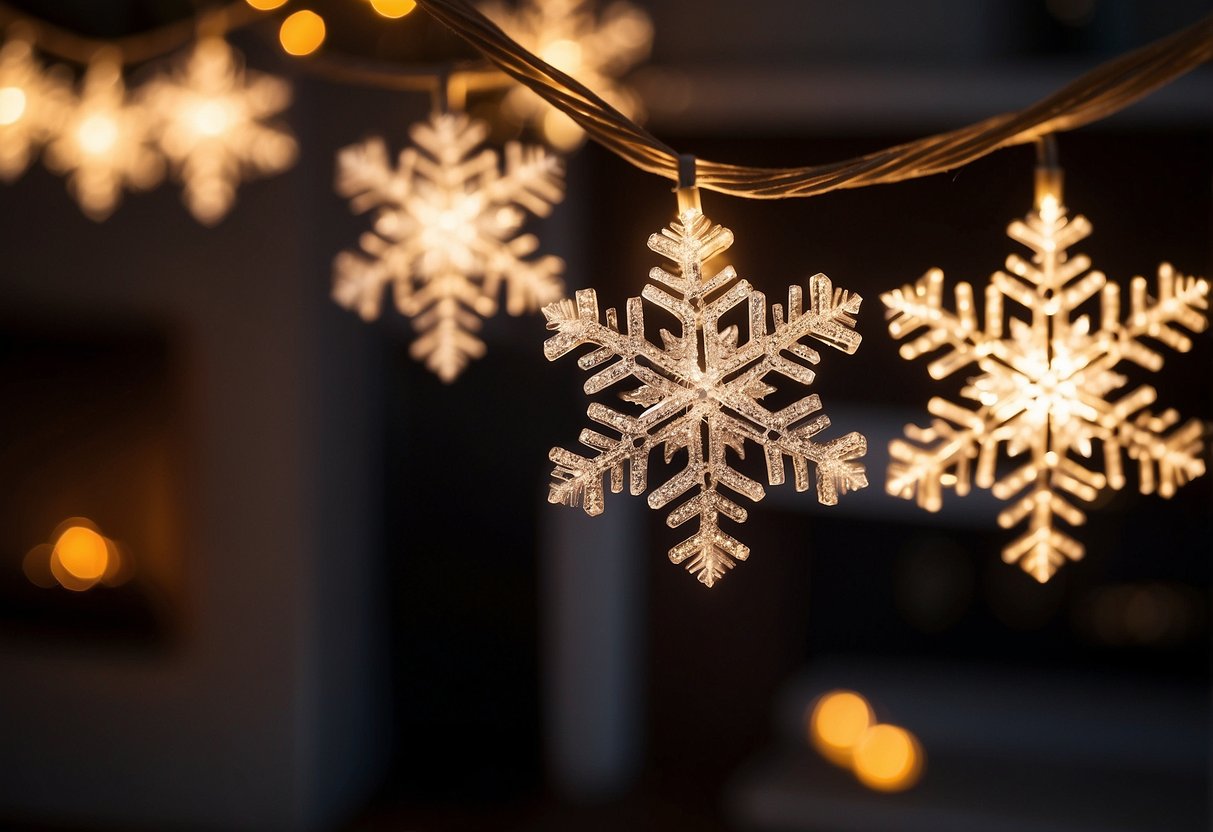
(1096, 95)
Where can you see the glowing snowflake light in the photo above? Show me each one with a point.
(595, 49)
(32, 105)
(104, 143)
(212, 125)
(446, 234)
(701, 391)
(1044, 385)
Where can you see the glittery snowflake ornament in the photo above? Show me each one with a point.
(1045, 384)
(701, 391)
(213, 124)
(446, 234)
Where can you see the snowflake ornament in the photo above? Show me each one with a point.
(595, 49)
(104, 144)
(1044, 392)
(33, 102)
(701, 391)
(446, 235)
(213, 125)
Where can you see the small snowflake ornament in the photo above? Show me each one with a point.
(701, 390)
(213, 124)
(446, 234)
(104, 144)
(596, 49)
(1046, 391)
(33, 103)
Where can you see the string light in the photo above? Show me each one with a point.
(446, 234)
(393, 9)
(1044, 389)
(33, 102)
(595, 49)
(1096, 95)
(702, 381)
(301, 33)
(104, 144)
(213, 125)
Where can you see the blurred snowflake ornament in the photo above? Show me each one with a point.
(1044, 389)
(213, 125)
(701, 391)
(33, 103)
(446, 236)
(596, 49)
(104, 144)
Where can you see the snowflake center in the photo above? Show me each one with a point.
(1051, 396)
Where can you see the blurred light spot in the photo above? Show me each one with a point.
(302, 33)
(97, 134)
(210, 118)
(887, 758)
(1151, 614)
(265, 5)
(37, 566)
(560, 131)
(838, 720)
(12, 104)
(563, 54)
(82, 552)
(393, 8)
(80, 558)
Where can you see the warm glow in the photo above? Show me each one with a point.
(82, 552)
(302, 33)
(560, 131)
(837, 722)
(97, 134)
(704, 372)
(265, 5)
(887, 758)
(210, 118)
(446, 236)
(1047, 386)
(12, 104)
(393, 8)
(596, 48)
(564, 54)
(217, 125)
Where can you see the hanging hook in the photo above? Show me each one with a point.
(688, 193)
(1049, 176)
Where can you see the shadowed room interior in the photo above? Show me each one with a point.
(263, 569)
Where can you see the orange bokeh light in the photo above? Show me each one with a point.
(393, 8)
(302, 33)
(887, 758)
(838, 720)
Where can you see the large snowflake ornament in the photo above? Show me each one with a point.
(33, 103)
(104, 144)
(701, 391)
(446, 234)
(213, 124)
(596, 49)
(1045, 388)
